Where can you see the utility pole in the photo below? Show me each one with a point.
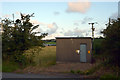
(13, 17)
(1, 26)
(93, 29)
(108, 24)
(109, 21)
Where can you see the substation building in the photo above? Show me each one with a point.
(73, 49)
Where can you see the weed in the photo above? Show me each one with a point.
(72, 71)
(80, 72)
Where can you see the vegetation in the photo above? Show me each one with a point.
(111, 43)
(35, 56)
(19, 36)
(8, 66)
(97, 46)
(109, 77)
(87, 72)
(72, 71)
(30, 51)
(42, 58)
(51, 42)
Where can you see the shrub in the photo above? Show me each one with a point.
(21, 59)
(111, 43)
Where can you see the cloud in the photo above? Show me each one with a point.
(7, 16)
(114, 15)
(52, 28)
(86, 20)
(79, 6)
(56, 13)
(75, 32)
(36, 22)
(68, 33)
(50, 25)
(17, 13)
(47, 28)
(76, 24)
(52, 36)
(83, 21)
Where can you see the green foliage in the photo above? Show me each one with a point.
(111, 43)
(80, 72)
(72, 71)
(109, 77)
(42, 57)
(19, 36)
(97, 46)
(21, 59)
(8, 66)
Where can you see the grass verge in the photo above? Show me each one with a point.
(109, 77)
(9, 66)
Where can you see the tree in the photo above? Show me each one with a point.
(19, 35)
(111, 43)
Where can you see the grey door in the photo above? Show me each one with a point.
(82, 52)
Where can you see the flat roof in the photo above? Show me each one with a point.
(73, 38)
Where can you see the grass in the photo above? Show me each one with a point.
(0, 67)
(50, 42)
(9, 66)
(109, 77)
(43, 57)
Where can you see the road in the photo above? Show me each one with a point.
(55, 75)
(52, 76)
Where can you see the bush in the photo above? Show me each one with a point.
(19, 36)
(21, 59)
(97, 46)
(111, 43)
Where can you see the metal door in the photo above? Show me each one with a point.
(83, 52)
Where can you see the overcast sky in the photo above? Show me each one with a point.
(64, 18)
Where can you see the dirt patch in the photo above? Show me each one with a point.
(59, 67)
